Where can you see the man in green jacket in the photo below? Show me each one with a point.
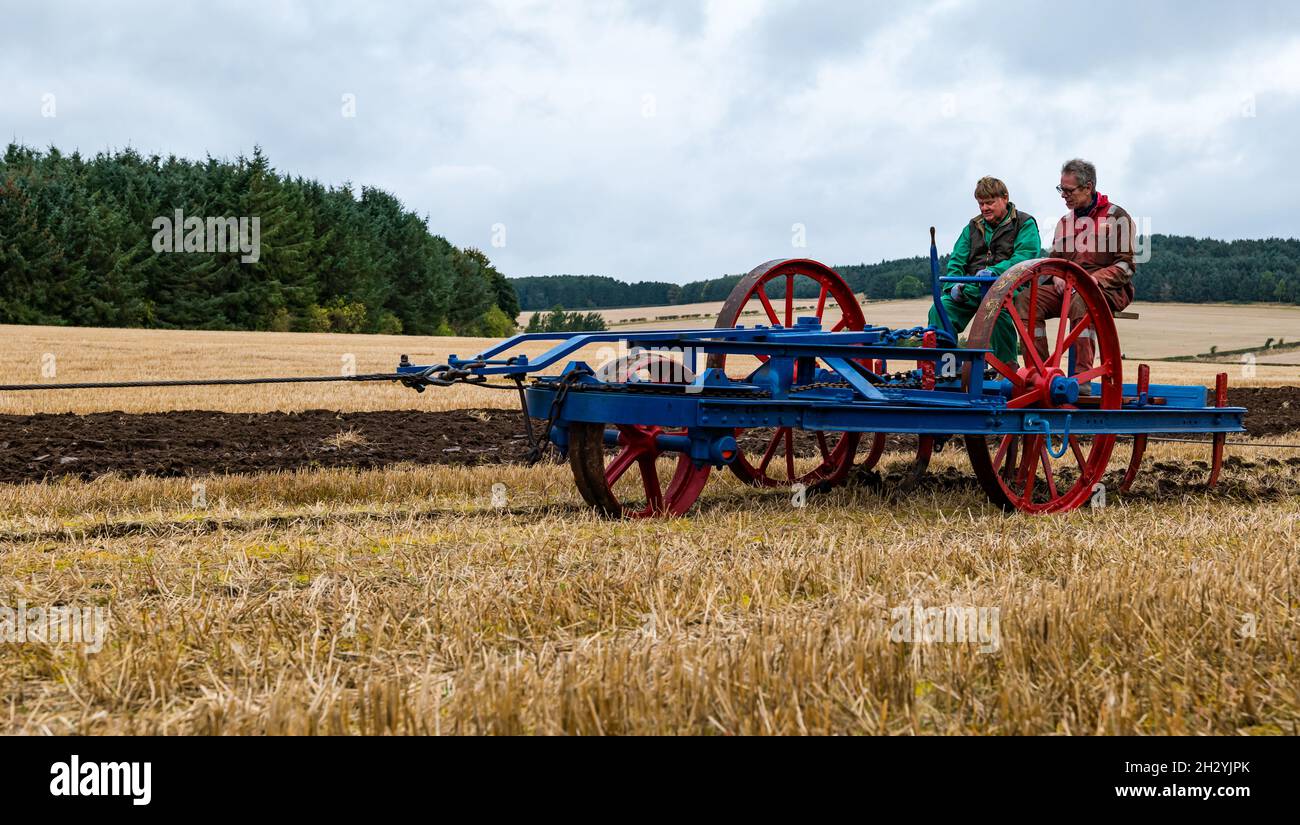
(995, 240)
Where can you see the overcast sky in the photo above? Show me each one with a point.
(675, 141)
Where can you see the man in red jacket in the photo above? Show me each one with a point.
(1097, 235)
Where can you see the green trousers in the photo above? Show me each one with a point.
(1005, 343)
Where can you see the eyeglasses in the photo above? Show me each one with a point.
(1069, 191)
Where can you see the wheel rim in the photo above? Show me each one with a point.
(775, 466)
(1019, 472)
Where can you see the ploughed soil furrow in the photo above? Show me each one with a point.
(44, 446)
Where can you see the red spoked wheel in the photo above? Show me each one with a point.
(608, 485)
(836, 450)
(1021, 472)
(629, 483)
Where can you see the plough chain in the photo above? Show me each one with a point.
(663, 389)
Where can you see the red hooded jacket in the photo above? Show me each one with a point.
(1102, 242)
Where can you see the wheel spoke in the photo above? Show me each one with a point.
(1030, 397)
(1019, 322)
(1033, 303)
(1095, 372)
(1007, 371)
(839, 325)
(654, 498)
(1078, 454)
(1047, 470)
(1062, 323)
(1076, 330)
(821, 445)
(1027, 467)
(789, 454)
(789, 300)
(1010, 467)
(821, 302)
(770, 451)
(621, 462)
(761, 292)
(1002, 449)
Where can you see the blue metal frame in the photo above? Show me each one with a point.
(870, 402)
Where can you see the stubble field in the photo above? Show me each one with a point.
(357, 591)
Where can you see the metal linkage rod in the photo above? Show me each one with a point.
(204, 382)
(1229, 443)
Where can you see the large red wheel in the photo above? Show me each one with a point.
(1020, 472)
(775, 466)
(608, 485)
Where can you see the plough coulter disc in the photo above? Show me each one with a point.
(1025, 472)
(775, 465)
(629, 483)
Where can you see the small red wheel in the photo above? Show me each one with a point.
(1009, 468)
(607, 485)
(836, 450)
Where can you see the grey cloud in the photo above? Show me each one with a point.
(477, 113)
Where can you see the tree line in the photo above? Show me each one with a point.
(1192, 270)
(80, 245)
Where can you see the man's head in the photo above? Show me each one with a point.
(1078, 183)
(991, 195)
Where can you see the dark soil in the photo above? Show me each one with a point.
(38, 447)
(35, 447)
(1270, 410)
